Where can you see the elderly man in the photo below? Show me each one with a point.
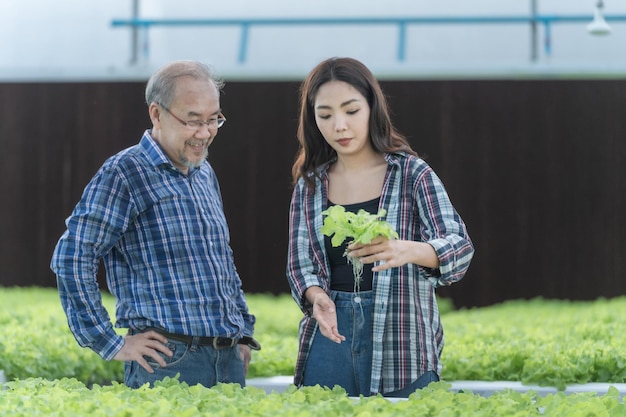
(154, 214)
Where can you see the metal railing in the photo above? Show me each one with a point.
(143, 25)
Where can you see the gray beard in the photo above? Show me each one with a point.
(198, 164)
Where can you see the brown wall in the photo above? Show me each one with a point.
(535, 167)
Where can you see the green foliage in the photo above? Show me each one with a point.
(542, 342)
(360, 227)
(36, 340)
(66, 397)
(276, 329)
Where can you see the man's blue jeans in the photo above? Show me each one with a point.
(196, 365)
(349, 364)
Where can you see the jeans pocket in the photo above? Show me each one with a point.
(179, 350)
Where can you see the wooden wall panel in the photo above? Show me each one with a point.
(535, 167)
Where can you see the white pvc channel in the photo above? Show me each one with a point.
(485, 388)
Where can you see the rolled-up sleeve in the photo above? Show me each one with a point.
(443, 228)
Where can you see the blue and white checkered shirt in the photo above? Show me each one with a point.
(165, 244)
(407, 332)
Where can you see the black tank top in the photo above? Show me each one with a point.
(341, 276)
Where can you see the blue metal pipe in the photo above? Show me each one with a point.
(401, 22)
(401, 41)
(243, 42)
(362, 20)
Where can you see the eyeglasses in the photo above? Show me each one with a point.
(197, 124)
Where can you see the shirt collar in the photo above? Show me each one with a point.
(152, 149)
(155, 153)
(394, 158)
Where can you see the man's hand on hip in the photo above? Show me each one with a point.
(144, 344)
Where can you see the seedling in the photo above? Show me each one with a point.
(361, 227)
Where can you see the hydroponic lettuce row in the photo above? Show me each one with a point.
(538, 342)
(545, 342)
(36, 340)
(71, 398)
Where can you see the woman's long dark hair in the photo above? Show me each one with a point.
(314, 150)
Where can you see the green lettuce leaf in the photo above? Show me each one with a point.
(361, 227)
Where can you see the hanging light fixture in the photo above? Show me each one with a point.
(598, 26)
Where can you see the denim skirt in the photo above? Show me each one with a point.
(349, 363)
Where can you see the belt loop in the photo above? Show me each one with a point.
(195, 341)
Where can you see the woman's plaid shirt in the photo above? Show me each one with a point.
(407, 333)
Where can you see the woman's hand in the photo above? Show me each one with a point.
(394, 253)
(325, 314)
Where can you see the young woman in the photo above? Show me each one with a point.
(385, 336)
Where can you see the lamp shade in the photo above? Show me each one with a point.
(598, 25)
